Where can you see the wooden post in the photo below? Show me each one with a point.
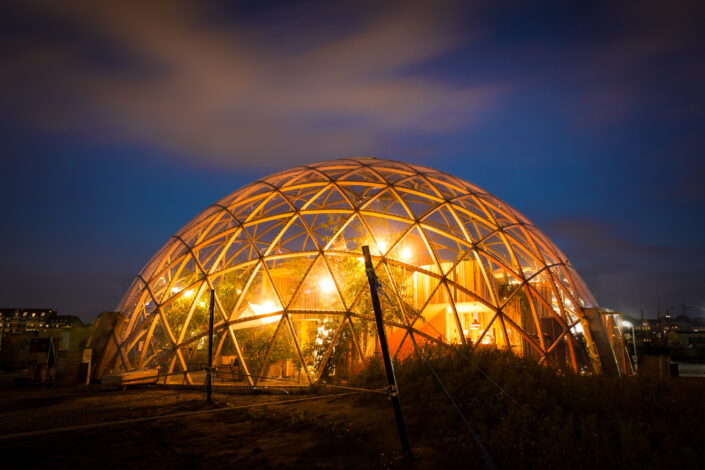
(209, 371)
(389, 367)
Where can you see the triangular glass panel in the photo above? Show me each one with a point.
(176, 310)
(406, 347)
(386, 232)
(517, 237)
(160, 337)
(419, 205)
(245, 210)
(336, 171)
(305, 177)
(473, 209)
(284, 177)
(362, 174)
(529, 266)
(449, 187)
(260, 300)
(229, 287)
(392, 175)
(366, 335)
(197, 326)
(295, 239)
(386, 202)
(411, 249)
(318, 290)
(244, 195)
(495, 246)
(288, 273)
(447, 249)
(300, 196)
(332, 349)
(331, 198)
(209, 254)
(264, 233)
(349, 274)
(352, 237)
(283, 366)
(417, 183)
(239, 250)
(323, 226)
(275, 205)
(228, 367)
(187, 275)
(500, 213)
(254, 341)
(361, 193)
(443, 219)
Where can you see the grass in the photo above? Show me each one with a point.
(537, 417)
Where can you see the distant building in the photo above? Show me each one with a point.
(682, 337)
(20, 320)
(20, 326)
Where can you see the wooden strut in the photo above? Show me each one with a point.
(451, 221)
(209, 371)
(392, 389)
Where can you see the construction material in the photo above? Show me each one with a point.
(135, 377)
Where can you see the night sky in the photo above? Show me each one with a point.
(119, 123)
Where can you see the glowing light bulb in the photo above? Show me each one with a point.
(405, 254)
(189, 293)
(267, 307)
(175, 290)
(382, 246)
(326, 285)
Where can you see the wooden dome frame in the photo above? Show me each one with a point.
(315, 217)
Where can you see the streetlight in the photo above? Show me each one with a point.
(629, 324)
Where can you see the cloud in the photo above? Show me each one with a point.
(243, 92)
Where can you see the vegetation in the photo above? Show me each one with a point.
(553, 419)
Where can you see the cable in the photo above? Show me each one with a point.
(459, 351)
(489, 463)
(188, 369)
(154, 418)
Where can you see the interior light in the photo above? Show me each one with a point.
(326, 285)
(406, 254)
(475, 324)
(382, 246)
(266, 307)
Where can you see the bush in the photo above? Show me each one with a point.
(528, 415)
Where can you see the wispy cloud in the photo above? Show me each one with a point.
(239, 92)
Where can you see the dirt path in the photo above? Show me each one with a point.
(343, 432)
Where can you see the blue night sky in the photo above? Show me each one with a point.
(121, 122)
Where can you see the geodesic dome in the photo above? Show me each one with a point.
(291, 300)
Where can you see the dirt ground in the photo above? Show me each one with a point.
(355, 430)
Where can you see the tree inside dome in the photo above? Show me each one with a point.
(292, 306)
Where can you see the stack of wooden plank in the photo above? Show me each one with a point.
(134, 377)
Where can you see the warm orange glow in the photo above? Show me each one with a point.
(326, 285)
(451, 255)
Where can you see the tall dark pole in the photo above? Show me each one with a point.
(209, 371)
(389, 367)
